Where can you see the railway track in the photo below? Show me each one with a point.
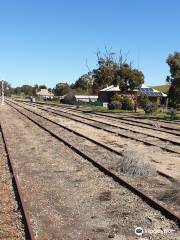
(29, 235)
(117, 115)
(112, 128)
(133, 122)
(42, 122)
(119, 153)
(146, 125)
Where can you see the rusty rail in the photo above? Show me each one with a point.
(26, 218)
(108, 130)
(150, 201)
(98, 143)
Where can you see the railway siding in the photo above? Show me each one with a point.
(52, 175)
(164, 162)
(95, 152)
(164, 143)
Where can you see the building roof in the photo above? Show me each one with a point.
(85, 96)
(44, 92)
(151, 92)
(111, 88)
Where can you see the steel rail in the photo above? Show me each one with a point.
(138, 117)
(100, 144)
(112, 125)
(153, 119)
(134, 131)
(120, 119)
(107, 130)
(148, 125)
(26, 218)
(123, 120)
(72, 107)
(149, 200)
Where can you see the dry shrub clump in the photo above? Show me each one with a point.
(172, 195)
(136, 164)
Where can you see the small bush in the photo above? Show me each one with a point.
(126, 101)
(143, 100)
(69, 99)
(172, 113)
(115, 105)
(135, 164)
(150, 108)
(117, 97)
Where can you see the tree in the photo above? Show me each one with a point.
(104, 75)
(116, 72)
(61, 89)
(17, 90)
(42, 87)
(27, 90)
(173, 61)
(8, 90)
(85, 83)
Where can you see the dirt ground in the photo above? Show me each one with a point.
(163, 160)
(11, 226)
(154, 186)
(67, 197)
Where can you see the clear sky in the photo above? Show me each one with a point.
(49, 41)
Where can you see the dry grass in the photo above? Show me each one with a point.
(172, 195)
(136, 164)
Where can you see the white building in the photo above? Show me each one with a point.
(84, 98)
(45, 94)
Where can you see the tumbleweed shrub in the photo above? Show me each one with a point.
(171, 195)
(136, 164)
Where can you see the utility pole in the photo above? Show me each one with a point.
(2, 92)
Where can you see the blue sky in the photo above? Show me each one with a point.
(49, 41)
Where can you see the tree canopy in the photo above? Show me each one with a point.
(117, 72)
(173, 79)
(7, 88)
(85, 82)
(61, 89)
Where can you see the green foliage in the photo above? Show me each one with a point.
(28, 90)
(126, 101)
(17, 90)
(61, 89)
(8, 90)
(173, 61)
(117, 97)
(143, 100)
(114, 105)
(110, 71)
(150, 108)
(42, 87)
(69, 99)
(172, 113)
(84, 83)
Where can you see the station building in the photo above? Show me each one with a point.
(45, 94)
(154, 95)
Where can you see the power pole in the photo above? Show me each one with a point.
(2, 92)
